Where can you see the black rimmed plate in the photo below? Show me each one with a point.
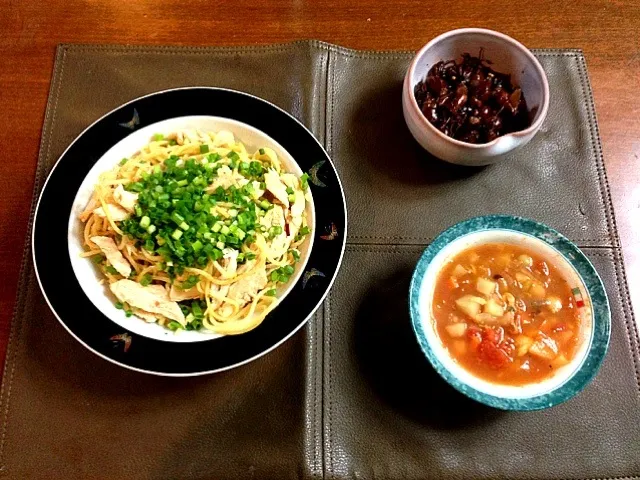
(113, 342)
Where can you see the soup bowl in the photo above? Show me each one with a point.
(589, 298)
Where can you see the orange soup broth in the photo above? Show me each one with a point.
(517, 325)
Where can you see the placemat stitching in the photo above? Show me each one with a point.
(427, 240)
(273, 47)
(330, 439)
(596, 146)
(318, 381)
(315, 397)
(26, 276)
(630, 322)
(331, 88)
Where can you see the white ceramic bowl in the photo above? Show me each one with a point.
(574, 267)
(89, 276)
(507, 56)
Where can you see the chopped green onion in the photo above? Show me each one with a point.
(196, 310)
(97, 259)
(119, 305)
(271, 293)
(184, 226)
(176, 234)
(197, 246)
(304, 230)
(291, 198)
(217, 227)
(190, 282)
(225, 230)
(220, 245)
(261, 151)
(233, 155)
(110, 269)
(123, 161)
(145, 221)
(158, 136)
(296, 255)
(265, 204)
(146, 279)
(304, 181)
(151, 229)
(128, 313)
(204, 148)
(173, 325)
(172, 142)
(289, 191)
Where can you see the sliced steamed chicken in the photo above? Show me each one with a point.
(116, 212)
(146, 316)
(152, 298)
(276, 187)
(245, 288)
(296, 211)
(178, 295)
(127, 200)
(275, 218)
(110, 250)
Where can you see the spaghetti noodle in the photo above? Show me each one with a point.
(193, 232)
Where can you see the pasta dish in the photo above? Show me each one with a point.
(194, 232)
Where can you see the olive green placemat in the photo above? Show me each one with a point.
(351, 396)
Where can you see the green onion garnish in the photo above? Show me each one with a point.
(110, 269)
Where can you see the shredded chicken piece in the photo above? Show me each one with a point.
(127, 200)
(115, 257)
(178, 295)
(116, 212)
(152, 298)
(276, 187)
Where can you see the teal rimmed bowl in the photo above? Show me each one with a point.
(572, 264)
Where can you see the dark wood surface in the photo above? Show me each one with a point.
(607, 31)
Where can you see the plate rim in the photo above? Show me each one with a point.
(234, 365)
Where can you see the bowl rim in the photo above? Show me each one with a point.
(476, 146)
(141, 137)
(601, 314)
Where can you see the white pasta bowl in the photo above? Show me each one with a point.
(89, 276)
(507, 56)
(572, 265)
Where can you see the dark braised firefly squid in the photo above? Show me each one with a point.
(469, 101)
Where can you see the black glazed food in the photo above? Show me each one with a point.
(469, 101)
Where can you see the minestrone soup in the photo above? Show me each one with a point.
(506, 315)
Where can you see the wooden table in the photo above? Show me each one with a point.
(607, 31)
